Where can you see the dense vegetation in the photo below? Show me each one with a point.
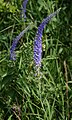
(24, 96)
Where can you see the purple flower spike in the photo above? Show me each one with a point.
(38, 40)
(15, 41)
(14, 44)
(24, 8)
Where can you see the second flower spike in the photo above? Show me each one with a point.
(24, 8)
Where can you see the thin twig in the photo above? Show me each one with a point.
(16, 115)
(66, 76)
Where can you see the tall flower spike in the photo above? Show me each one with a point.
(24, 8)
(38, 40)
(15, 41)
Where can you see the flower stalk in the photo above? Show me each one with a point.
(38, 40)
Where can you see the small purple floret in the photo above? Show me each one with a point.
(38, 40)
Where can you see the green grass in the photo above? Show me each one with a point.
(24, 96)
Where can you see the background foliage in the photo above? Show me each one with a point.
(24, 96)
